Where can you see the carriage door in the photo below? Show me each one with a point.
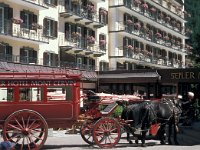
(1, 20)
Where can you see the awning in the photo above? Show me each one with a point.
(136, 77)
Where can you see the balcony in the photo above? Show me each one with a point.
(160, 6)
(33, 4)
(146, 58)
(80, 13)
(149, 17)
(74, 65)
(146, 37)
(78, 44)
(18, 59)
(15, 30)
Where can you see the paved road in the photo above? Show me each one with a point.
(62, 141)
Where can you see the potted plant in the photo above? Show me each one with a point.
(91, 40)
(17, 21)
(102, 42)
(130, 47)
(129, 21)
(103, 12)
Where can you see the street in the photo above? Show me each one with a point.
(62, 141)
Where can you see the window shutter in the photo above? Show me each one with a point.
(9, 50)
(45, 58)
(55, 2)
(55, 30)
(45, 26)
(30, 20)
(22, 16)
(35, 18)
(124, 42)
(2, 48)
(22, 52)
(93, 33)
(55, 59)
(10, 13)
(6, 10)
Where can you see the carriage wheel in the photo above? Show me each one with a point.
(27, 129)
(86, 131)
(106, 133)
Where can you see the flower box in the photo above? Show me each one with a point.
(103, 12)
(17, 21)
(129, 21)
(102, 42)
(91, 40)
(130, 47)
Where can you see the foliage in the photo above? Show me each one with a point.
(193, 8)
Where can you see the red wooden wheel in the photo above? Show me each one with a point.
(86, 131)
(27, 128)
(106, 133)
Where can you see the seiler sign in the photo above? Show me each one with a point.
(37, 83)
(180, 75)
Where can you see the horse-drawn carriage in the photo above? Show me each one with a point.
(32, 102)
(104, 128)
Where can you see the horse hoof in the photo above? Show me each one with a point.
(130, 142)
(162, 142)
(136, 141)
(144, 145)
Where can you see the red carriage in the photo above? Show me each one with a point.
(30, 103)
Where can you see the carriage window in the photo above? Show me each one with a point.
(31, 94)
(60, 93)
(6, 94)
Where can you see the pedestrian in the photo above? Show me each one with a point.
(188, 109)
(7, 145)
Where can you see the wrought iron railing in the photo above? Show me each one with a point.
(148, 14)
(148, 36)
(149, 58)
(24, 32)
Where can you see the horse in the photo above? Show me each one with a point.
(144, 114)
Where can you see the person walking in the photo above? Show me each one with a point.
(188, 109)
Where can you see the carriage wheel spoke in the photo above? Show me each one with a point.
(23, 122)
(13, 126)
(32, 124)
(28, 143)
(18, 123)
(27, 123)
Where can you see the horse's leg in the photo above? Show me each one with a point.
(143, 128)
(175, 122)
(128, 138)
(170, 132)
(162, 134)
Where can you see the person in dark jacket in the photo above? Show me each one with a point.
(188, 108)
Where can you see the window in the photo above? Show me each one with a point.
(79, 62)
(6, 14)
(103, 16)
(102, 42)
(1, 20)
(60, 93)
(6, 94)
(31, 94)
(51, 2)
(5, 52)
(28, 55)
(50, 59)
(29, 18)
(50, 28)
